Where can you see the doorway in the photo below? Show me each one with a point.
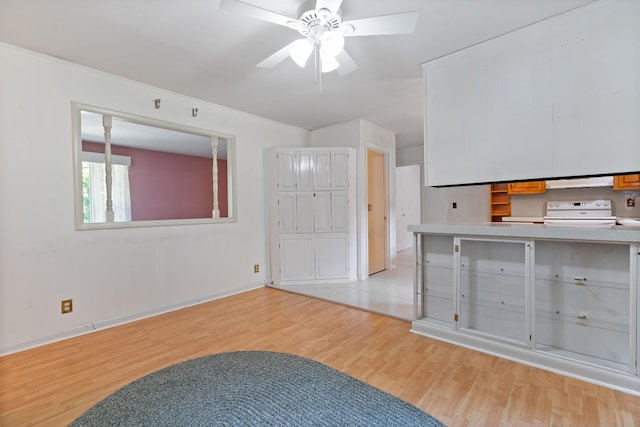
(407, 203)
(377, 211)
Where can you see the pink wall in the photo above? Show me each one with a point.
(170, 186)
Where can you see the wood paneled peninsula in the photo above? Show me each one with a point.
(563, 298)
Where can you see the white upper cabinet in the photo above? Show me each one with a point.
(295, 171)
(305, 172)
(287, 171)
(308, 171)
(340, 170)
(323, 171)
(555, 99)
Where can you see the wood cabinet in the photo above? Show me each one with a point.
(313, 215)
(500, 196)
(500, 202)
(529, 187)
(626, 182)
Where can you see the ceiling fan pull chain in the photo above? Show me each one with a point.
(318, 67)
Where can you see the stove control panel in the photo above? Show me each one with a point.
(591, 208)
(592, 204)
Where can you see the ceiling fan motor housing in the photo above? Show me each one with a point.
(314, 23)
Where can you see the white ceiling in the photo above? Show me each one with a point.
(193, 47)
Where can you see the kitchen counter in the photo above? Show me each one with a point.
(614, 234)
(559, 297)
(526, 219)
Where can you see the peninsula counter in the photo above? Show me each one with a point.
(563, 298)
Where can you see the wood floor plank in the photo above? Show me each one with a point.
(53, 384)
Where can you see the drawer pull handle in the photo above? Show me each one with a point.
(580, 280)
(582, 317)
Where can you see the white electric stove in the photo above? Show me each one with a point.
(580, 213)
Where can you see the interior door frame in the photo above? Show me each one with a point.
(386, 156)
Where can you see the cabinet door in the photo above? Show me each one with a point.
(322, 170)
(530, 187)
(305, 213)
(287, 167)
(304, 166)
(297, 257)
(287, 207)
(582, 301)
(339, 170)
(437, 279)
(323, 211)
(493, 288)
(340, 211)
(626, 182)
(332, 257)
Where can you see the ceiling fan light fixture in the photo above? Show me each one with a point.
(328, 62)
(347, 29)
(300, 51)
(332, 43)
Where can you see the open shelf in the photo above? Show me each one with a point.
(500, 202)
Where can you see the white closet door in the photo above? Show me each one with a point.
(305, 172)
(297, 257)
(323, 170)
(340, 170)
(323, 211)
(340, 211)
(287, 172)
(287, 206)
(305, 217)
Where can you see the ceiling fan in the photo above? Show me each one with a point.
(323, 31)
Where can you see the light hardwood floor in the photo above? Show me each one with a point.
(52, 385)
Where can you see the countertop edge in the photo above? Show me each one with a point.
(616, 234)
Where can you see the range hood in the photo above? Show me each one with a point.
(599, 181)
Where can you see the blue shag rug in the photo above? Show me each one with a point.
(252, 388)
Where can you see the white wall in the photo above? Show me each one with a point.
(437, 203)
(111, 275)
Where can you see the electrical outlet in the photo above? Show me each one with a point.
(256, 268)
(454, 205)
(66, 306)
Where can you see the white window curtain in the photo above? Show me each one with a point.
(120, 190)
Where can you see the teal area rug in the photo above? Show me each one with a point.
(252, 388)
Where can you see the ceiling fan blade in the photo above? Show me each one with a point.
(255, 12)
(347, 64)
(398, 23)
(276, 58)
(332, 5)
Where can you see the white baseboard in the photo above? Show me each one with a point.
(109, 323)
